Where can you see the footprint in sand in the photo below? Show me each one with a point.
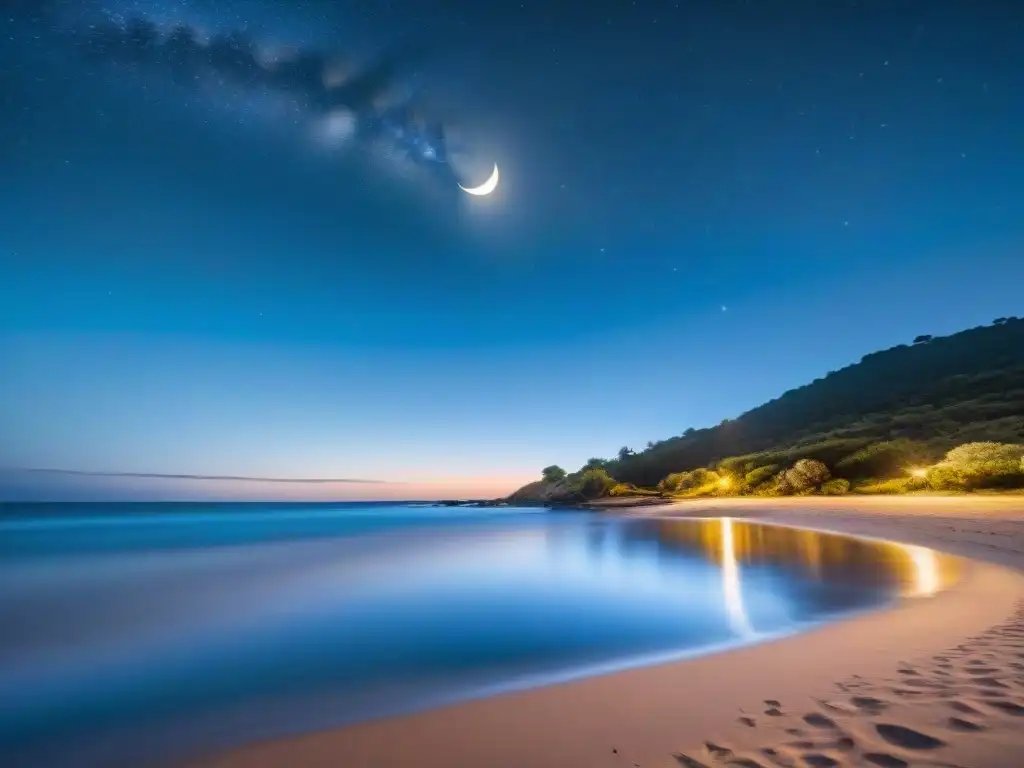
(908, 738)
(1009, 707)
(688, 762)
(774, 708)
(747, 721)
(979, 669)
(869, 704)
(838, 706)
(960, 724)
(819, 761)
(885, 761)
(991, 682)
(801, 744)
(961, 706)
(818, 720)
(717, 751)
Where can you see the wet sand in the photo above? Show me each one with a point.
(936, 681)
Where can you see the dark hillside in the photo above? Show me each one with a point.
(943, 391)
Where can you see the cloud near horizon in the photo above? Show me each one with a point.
(168, 476)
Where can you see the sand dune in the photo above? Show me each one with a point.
(933, 682)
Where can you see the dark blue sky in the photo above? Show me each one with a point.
(702, 205)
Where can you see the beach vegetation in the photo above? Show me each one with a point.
(886, 459)
(760, 475)
(895, 485)
(951, 390)
(594, 484)
(837, 486)
(553, 474)
(697, 482)
(943, 414)
(979, 465)
(806, 476)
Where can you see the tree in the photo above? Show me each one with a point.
(923, 339)
(651, 444)
(625, 452)
(690, 431)
(594, 464)
(553, 474)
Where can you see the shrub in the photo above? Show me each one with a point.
(698, 478)
(945, 478)
(735, 465)
(594, 484)
(806, 475)
(886, 459)
(837, 487)
(690, 482)
(895, 485)
(622, 489)
(980, 465)
(670, 484)
(761, 475)
(1007, 456)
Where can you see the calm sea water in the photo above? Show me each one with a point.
(132, 632)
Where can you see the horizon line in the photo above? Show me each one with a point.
(170, 476)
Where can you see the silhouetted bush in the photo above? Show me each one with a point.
(553, 474)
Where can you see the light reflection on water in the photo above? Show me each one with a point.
(731, 583)
(126, 644)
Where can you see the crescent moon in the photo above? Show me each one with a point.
(487, 187)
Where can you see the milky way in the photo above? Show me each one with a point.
(344, 103)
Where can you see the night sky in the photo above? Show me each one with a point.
(702, 205)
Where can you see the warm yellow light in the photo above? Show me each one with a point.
(919, 472)
(725, 482)
(738, 618)
(927, 578)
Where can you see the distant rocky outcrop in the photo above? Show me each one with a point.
(545, 492)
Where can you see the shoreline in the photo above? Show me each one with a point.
(902, 684)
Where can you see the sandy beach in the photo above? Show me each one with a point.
(934, 681)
